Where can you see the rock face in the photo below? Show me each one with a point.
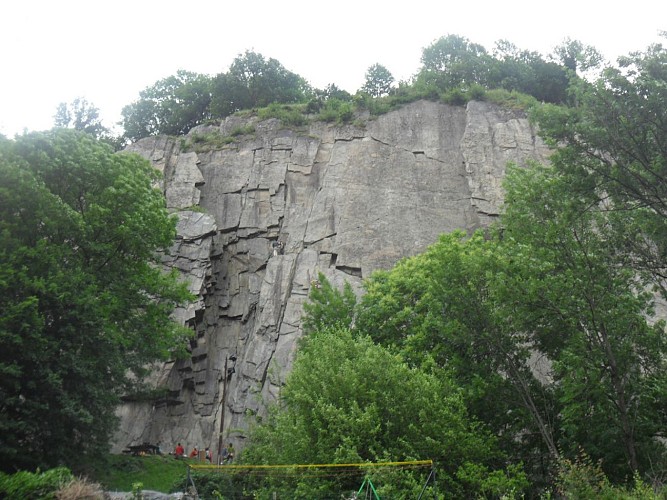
(341, 200)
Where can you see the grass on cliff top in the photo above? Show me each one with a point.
(155, 472)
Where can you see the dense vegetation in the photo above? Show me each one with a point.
(84, 304)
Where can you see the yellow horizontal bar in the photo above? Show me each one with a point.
(312, 466)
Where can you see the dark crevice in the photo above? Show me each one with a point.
(415, 153)
(352, 271)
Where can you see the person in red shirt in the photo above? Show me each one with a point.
(179, 451)
(194, 453)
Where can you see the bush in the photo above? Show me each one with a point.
(455, 97)
(314, 105)
(337, 111)
(248, 129)
(211, 484)
(25, 485)
(510, 99)
(582, 478)
(288, 114)
(205, 141)
(477, 93)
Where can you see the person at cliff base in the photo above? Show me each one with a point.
(229, 453)
(209, 455)
(194, 453)
(179, 451)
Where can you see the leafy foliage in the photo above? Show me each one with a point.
(378, 82)
(172, 106)
(337, 111)
(84, 116)
(581, 478)
(25, 485)
(328, 307)
(527, 72)
(577, 57)
(255, 82)
(80, 115)
(154, 472)
(84, 302)
(443, 302)
(613, 141)
(320, 97)
(348, 400)
(455, 61)
(289, 115)
(453, 64)
(587, 312)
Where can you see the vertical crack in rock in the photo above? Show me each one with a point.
(281, 314)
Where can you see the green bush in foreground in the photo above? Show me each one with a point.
(582, 478)
(24, 485)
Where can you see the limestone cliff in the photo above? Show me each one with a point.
(342, 200)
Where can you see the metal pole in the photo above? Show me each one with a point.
(222, 410)
(431, 475)
(191, 481)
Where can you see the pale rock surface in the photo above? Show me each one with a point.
(343, 200)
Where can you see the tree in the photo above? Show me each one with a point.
(348, 400)
(527, 72)
(379, 81)
(443, 303)
(454, 61)
(577, 57)
(587, 310)
(171, 106)
(253, 81)
(322, 98)
(613, 140)
(85, 117)
(332, 91)
(84, 303)
(80, 115)
(554, 284)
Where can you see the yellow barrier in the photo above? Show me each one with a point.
(315, 466)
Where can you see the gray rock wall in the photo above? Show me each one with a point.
(343, 201)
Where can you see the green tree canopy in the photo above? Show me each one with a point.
(254, 81)
(613, 140)
(80, 115)
(84, 116)
(577, 57)
(171, 106)
(554, 285)
(328, 307)
(454, 63)
(574, 288)
(379, 81)
(441, 306)
(454, 60)
(528, 72)
(348, 400)
(84, 303)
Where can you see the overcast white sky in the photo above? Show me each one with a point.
(107, 52)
